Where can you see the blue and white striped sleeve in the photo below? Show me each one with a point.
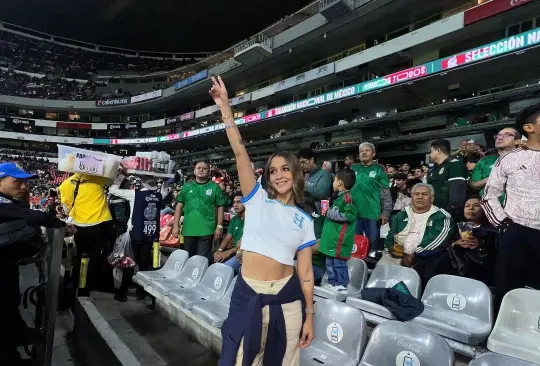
(257, 195)
(308, 237)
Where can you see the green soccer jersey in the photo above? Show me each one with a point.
(483, 170)
(236, 229)
(366, 193)
(449, 170)
(200, 202)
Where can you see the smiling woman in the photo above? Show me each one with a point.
(269, 289)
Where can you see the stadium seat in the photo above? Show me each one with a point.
(340, 335)
(403, 344)
(387, 276)
(189, 277)
(214, 312)
(458, 308)
(174, 264)
(212, 287)
(495, 359)
(517, 330)
(357, 276)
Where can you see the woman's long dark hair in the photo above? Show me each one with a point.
(296, 171)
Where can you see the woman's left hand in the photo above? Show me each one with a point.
(307, 332)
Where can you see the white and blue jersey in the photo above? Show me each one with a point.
(273, 229)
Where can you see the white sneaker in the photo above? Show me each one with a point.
(327, 286)
(339, 288)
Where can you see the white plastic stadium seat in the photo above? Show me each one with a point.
(387, 276)
(357, 280)
(172, 268)
(212, 287)
(214, 312)
(189, 277)
(340, 335)
(495, 359)
(517, 330)
(395, 343)
(458, 308)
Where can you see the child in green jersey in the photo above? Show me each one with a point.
(338, 231)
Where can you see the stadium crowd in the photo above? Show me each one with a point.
(39, 69)
(42, 57)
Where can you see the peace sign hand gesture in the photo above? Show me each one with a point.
(218, 92)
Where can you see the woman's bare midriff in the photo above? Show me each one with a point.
(259, 267)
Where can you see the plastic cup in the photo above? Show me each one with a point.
(465, 229)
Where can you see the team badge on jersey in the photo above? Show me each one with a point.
(441, 171)
(208, 192)
(150, 212)
(298, 220)
(372, 174)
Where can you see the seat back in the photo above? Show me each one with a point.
(226, 299)
(357, 276)
(404, 344)
(176, 261)
(388, 275)
(465, 296)
(495, 359)
(215, 281)
(194, 268)
(520, 312)
(341, 326)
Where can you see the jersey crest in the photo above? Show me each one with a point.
(298, 220)
(372, 174)
(441, 171)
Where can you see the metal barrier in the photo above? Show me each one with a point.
(48, 263)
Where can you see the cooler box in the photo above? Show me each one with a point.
(74, 160)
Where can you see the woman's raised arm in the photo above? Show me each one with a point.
(218, 92)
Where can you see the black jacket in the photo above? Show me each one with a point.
(20, 232)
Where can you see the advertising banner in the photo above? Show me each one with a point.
(147, 96)
(498, 48)
(241, 99)
(507, 45)
(123, 126)
(190, 80)
(112, 102)
(317, 73)
(491, 8)
(285, 84)
(181, 118)
(20, 121)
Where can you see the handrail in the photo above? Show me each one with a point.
(55, 239)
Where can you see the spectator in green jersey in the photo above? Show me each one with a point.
(448, 178)
(318, 181)
(201, 203)
(228, 247)
(371, 195)
(505, 141)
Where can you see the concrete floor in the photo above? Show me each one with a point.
(150, 336)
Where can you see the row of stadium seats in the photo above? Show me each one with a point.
(454, 308)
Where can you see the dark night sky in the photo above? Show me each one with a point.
(154, 25)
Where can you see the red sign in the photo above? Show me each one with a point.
(490, 9)
(405, 75)
(82, 126)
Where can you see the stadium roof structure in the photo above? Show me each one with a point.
(150, 25)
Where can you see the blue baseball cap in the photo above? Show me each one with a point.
(14, 170)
